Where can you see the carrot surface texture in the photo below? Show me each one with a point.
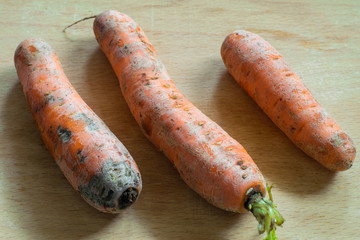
(94, 161)
(264, 74)
(211, 162)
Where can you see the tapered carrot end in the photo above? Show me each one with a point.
(81, 20)
(341, 153)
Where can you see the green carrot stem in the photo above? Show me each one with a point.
(264, 210)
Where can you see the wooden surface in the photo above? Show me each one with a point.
(321, 41)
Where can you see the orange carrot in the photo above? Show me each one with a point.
(94, 161)
(264, 74)
(211, 162)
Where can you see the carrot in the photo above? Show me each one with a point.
(94, 161)
(211, 162)
(264, 74)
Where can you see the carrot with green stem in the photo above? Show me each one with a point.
(264, 74)
(211, 162)
(94, 161)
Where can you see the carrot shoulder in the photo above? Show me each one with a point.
(264, 74)
(94, 161)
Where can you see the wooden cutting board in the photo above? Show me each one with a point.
(321, 41)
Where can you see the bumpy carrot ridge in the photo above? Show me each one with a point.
(94, 161)
(264, 74)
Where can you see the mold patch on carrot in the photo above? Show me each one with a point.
(90, 123)
(64, 134)
(103, 187)
(81, 157)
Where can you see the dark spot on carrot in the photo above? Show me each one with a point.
(244, 176)
(143, 75)
(64, 134)
(127, 198)
(146, 125)
(109, 195)
(177, 128)
(248, 73)
(141, 104)
(111, 42)
(49, 98)
(201, 123)
(32, 48)
(240, 162)
(243, 167)
(289, 74)
(292, 129)
(38, 108)
(280, 99)
(80, 156)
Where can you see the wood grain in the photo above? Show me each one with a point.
(320, 39)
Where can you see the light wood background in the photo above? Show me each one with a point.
(319, 38)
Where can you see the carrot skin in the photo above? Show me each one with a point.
(212, 163)
(264, 74)
(94, 161)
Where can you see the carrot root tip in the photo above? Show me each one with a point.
(81, 20)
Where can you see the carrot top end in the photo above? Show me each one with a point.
(264, 210)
